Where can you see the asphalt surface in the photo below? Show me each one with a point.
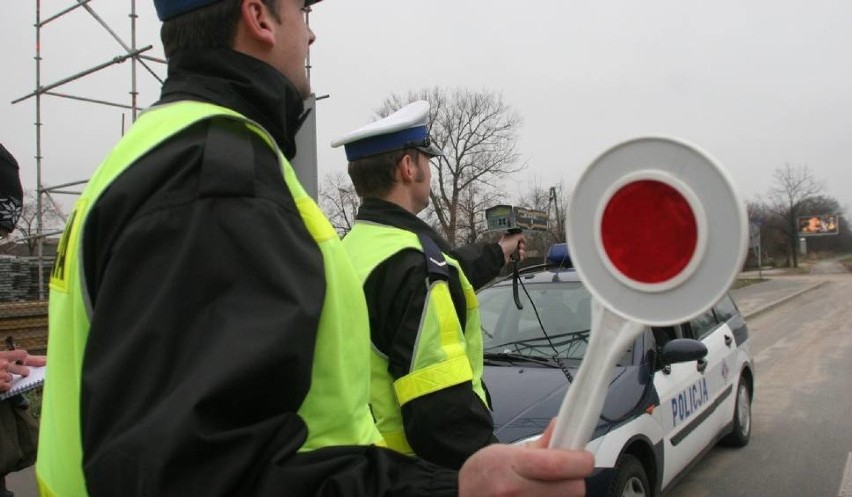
(761, 297)
(752, 300)
(801, 442)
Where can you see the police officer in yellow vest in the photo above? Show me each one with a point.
(208, 335)
(427, 393)
(17, 444)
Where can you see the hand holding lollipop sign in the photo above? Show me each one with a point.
(658, 233)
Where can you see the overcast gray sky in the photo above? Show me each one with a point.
(756, 83)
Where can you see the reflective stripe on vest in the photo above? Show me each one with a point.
(339, 382)
(444, 356)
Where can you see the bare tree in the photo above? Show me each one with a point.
(472, 204)
(338, 200)
(794, 186)
(774, 231)
(478, 133)
(773, 242)
(535, 197)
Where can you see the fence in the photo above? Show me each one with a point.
(26, 323)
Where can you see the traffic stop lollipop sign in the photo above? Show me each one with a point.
(658, 233)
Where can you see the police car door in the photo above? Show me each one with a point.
(685, 398)
(720, 372)
(730, 339)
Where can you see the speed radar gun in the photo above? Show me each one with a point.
(514, 219)
(658, 233)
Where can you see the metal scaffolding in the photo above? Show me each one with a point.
(304, 164)
(132, 52)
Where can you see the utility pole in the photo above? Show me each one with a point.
(553, 202)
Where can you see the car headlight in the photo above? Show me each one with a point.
(592, 446)
(527, 440)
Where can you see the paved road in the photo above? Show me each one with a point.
(802, 434)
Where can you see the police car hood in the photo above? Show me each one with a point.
(525, 399)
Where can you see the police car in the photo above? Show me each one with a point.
(674, 393)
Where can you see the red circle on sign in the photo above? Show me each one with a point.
(648, 231)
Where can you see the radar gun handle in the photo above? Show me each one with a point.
(515, 277)
(515, 257)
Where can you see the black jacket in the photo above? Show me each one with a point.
(207, 290)
(447, 426)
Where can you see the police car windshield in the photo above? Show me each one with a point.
(554, 316)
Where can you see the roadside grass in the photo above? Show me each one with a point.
(34, 396)
(802, 269)
(847, 263)
(741, 282)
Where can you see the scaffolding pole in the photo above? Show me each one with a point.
(132, 52)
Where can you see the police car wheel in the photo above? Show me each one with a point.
(630, 479)
(741, 433)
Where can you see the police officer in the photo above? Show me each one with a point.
(206, 325)
(17, 450)
(427, 393)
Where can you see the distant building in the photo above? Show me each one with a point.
(19, 277)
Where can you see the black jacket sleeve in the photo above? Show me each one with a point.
(359, 472)
(206, 290)
(444, 427)
(481, 262)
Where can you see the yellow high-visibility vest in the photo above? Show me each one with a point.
(339, 381)
(446, 353)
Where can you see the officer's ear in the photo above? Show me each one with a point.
(257, 22)
(407, 168)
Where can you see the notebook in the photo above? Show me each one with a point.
(21, 384)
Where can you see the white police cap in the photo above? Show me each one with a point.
(405, 128)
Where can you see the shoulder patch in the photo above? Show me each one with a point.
(436, 265)
(228, 166)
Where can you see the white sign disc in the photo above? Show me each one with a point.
(657, 230)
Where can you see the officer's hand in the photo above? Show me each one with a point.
(9, 364)
(513, 470)
(512, 242)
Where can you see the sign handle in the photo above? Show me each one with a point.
(581, 408)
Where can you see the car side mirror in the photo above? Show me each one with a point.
(683, 350)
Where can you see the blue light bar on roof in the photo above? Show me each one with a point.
(558, 254)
